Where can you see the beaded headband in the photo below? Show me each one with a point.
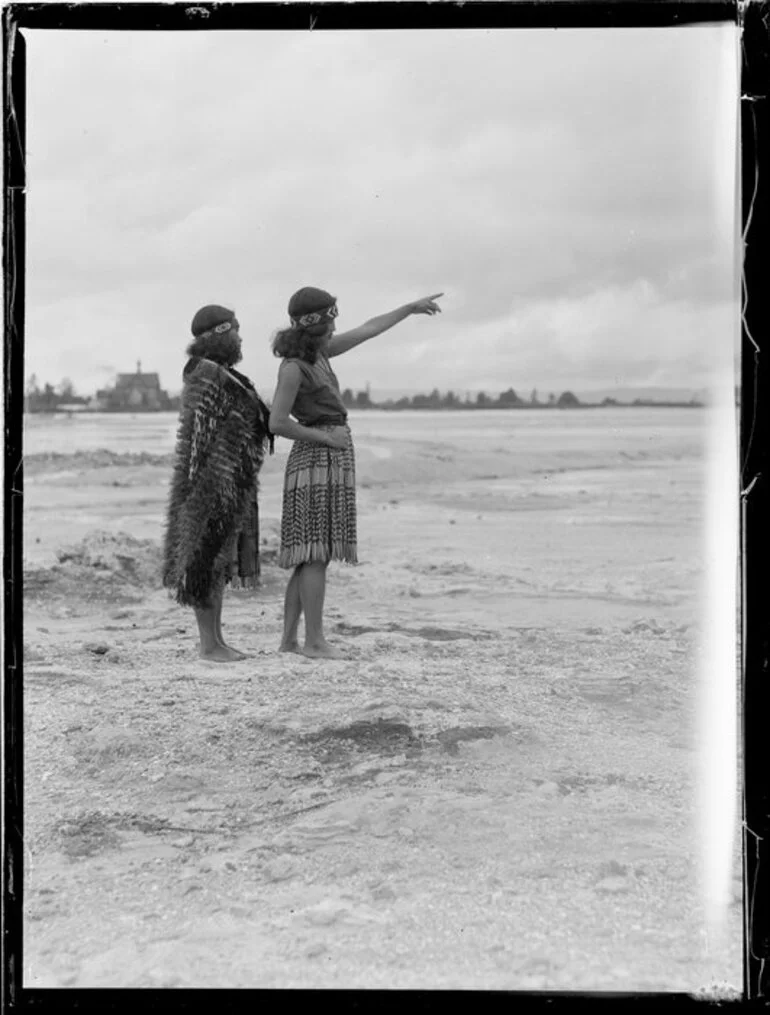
(316, 318)
(220, 329)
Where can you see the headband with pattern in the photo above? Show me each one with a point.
(220, 329)
(307, 319)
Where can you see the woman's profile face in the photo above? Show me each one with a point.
(326, 338)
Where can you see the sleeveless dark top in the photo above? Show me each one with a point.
(318, 400)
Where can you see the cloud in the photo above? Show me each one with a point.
(533, 176)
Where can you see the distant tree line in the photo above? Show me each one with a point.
(451, 400)
(505, 400)
(50, 398)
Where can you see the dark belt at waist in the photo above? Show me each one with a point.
(326, 421)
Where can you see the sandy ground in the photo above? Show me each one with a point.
(495, 789)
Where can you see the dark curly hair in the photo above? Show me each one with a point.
(224, 349)
(207, 343)
(298, 342)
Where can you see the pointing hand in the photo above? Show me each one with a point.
(427, 305)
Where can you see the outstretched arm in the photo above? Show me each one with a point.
(347, 340)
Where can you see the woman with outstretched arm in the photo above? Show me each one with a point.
(318, 522)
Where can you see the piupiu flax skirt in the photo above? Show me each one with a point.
(318, 522)
(243, 568)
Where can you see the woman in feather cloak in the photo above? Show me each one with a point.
(212, 530)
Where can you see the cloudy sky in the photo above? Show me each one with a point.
(571, 192)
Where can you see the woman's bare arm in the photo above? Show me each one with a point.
(347, 340)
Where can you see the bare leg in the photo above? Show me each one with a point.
(211, 648)
(292, 611)
(312, 589)
(220, 637)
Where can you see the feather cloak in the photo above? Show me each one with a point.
(212, 506)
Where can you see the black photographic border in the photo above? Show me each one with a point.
(754, 21)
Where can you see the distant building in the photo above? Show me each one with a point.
(134, 392)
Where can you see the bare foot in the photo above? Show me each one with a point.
(289, 646)
(222, 654)
(323, 650)
(237, 651)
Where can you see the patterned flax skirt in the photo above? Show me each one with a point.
(319, 505)
(243, 567)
